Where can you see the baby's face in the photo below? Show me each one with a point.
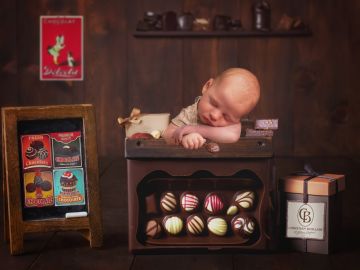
(219, 107)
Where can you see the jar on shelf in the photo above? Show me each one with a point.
(261, 16)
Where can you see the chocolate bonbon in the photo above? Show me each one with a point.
(153, 229)
(195, 225)
(168, 202)
(213, 203)
(212, 147)
(245, 199)
(173, 225)
(217, 226)
(203, 215)
(243, 225)
(189, 202)
(232, 210)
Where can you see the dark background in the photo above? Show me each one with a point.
(310, 83)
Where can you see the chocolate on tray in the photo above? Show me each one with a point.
(213, 203)
(232, 210)
(245, 199)
(217, 226)
(173, 225)
(195, 225)
(189, 202)
(153, 229)
(243, 225)
(168, 202)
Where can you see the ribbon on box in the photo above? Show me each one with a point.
(311, 173)
(134, 118)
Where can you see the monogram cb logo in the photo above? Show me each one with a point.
(305, 215)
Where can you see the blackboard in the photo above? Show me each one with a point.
(50, 172)
(53, 171)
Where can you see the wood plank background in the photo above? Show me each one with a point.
(310, 84)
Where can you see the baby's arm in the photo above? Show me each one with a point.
(228, 134)
(168, 134)
(190, 141)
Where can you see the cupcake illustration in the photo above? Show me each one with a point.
(68, 182)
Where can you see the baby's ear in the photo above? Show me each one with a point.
(207, 85)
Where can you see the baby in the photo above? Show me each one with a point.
(216, 114)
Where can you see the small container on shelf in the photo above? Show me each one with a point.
(261, 16)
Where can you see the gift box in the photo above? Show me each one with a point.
(147, 123)
(311, 211)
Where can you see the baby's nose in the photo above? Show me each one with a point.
(215, 115)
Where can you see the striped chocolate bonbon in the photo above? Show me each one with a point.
(245, 199)
(168, 202)
(243, 225)
(195, 225)
(153, 229)
(189, 202)
(213, 203)
(217, 226)
(173, 225)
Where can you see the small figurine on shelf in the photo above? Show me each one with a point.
(170, 21)
(288, 23)
(222, 23)
(152, 21)
(185, 21)
(261, 16)
(201, 24)
(236, 25)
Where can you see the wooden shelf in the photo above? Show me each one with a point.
(222, 34)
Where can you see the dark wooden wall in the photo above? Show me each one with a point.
(310, 84)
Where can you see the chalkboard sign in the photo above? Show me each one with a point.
(50, 172)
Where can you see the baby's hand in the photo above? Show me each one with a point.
(192, 141)
(180, 132)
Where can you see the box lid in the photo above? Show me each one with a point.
(324, 184)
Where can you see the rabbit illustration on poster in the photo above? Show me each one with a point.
(61, 48)
(56, 48)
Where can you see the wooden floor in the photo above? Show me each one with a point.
(68, 250)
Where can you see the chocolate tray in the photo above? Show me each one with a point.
(151, 189)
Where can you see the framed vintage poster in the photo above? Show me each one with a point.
(61, 48)
(50, 172)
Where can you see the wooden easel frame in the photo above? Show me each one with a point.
(14, 225)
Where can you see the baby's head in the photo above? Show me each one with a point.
(228, 97)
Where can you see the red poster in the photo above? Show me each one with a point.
(61, 48)
(36, 151)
